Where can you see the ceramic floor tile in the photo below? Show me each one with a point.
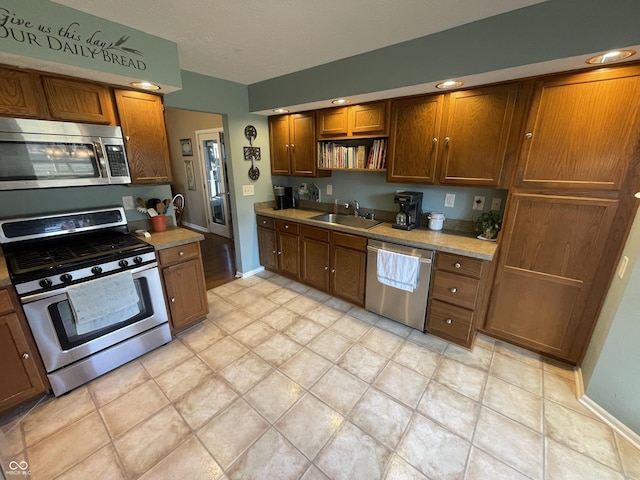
(567, 464)
(280, 318)
(133, 407)
(463, 379)
(363, 363)
(558, 368)
(201, 336)
(200, 404)
(270, 457)
(364, 315)
(297, 287)
(254, 334)
(277, 349)
(221, 354)
(630, 457)
(514, 402)
(451, 409)
(263, 289)
(165, 357)
(399, 469)
(303, 330)
(309, 424)
(68, 446)
(350, 327)
(485, 342)
(55, 414)
(103, 464)
(417, 358)
(116, 383)
(510, 442)
(381, 341)
(445, 456)
(583, 434)
(241, 298)
(317, 295)
(324, 315)
(518, 373)
(245, 372)
(11, 440)
(562, 390)
(280, 280)
(146, 444)
(178, 380)
(340, 389)
(260, 306)
(330, 345)
(189, 461)
(314, 473)
(274, 395)
(228, 288)
(249, 281)
(338, 304)
(218, 307)
(478, 358)
(229, 434)
(282, 295)
(520, 354)
(301, 305)
(401, 383)
(482, 466)
(305, 367)
(234, 321)
(394, 327)
(429, 341)
(353, 454)
(381, 417)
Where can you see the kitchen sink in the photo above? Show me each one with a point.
(347, 220)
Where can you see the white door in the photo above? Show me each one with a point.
(216, 186)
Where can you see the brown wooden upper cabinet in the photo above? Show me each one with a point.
(366, 120)
(80, 101)
(143, 127)
(293, 146)
(462, 135)
(581, 131)
(21, 94)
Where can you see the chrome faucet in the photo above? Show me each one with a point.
(355, 205)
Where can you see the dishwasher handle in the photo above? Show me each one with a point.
(376, 249)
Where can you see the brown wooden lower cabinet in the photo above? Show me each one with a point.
(22, 375)
(348, 267)
(184, 285)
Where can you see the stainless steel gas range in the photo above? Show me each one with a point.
(91, 291)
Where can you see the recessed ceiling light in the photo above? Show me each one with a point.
(612, 56)
(450, 84)
(340, 101)
(280, 110)
(145, 85)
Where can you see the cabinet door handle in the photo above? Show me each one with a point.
(274, 251)
(286, 226)
(173, 300)
(435, 140)
(448, 321)
(25, 356)
(286, 145)
(453, 289)
(333, 270)
(181, 254)
(528, 135)
(446, 140)
(279, 253)
(127, 138)
(457, 265)
(326, 268)
(264, 222)
(293, 146)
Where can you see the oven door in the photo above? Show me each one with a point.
(52, 323)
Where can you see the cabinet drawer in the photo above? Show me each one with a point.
(289, 227)
(265, 222)
(180, 253)
(455, 289)
(459, 264)
(450, 320)
(5, 302)
(350, 241)
(319, 234)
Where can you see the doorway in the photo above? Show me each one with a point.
(215, 182)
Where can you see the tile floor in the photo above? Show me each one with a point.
(285, 382)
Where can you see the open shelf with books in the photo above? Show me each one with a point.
(355, 154)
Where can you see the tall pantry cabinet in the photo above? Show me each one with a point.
(569, 210)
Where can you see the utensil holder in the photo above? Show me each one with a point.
(159, 223)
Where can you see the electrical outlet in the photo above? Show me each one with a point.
(127, 203)
(449, 200)
(247, 190)
(623, 266)
(478, 203)
(329, 189)
(496, 203)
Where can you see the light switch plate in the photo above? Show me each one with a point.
(623, 266)
(127, 202)
(247, 190)
(450, 200)
(496, 203)
(329, 189)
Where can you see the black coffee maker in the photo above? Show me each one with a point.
(284, 197)
(410, 204)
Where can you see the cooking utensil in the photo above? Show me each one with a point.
(152, 202)
(152, 212)
(160, 208)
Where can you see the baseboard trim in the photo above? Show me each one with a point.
(250, 273)
(629, 435)
(193, 226)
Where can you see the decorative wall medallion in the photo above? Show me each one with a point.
(250, 133)
(251, 153)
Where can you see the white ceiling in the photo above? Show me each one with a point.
(247, 41)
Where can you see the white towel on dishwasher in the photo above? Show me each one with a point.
(104, 301)
(398, 270)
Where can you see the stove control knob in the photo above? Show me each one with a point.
(137, 260)
(96, 270)
(45, 283)
(123, 263)
(66, 278)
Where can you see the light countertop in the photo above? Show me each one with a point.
(172, 237)
(444, 241)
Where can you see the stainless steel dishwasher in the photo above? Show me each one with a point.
(405, 307)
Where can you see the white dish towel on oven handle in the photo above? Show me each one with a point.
(104, 301)
(398, 270)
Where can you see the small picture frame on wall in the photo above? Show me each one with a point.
(191, 178)
(185, 147)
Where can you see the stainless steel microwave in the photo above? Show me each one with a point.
(45, 154)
